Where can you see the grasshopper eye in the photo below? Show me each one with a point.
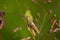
(27, 17)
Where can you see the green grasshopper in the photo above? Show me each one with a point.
(31, 26)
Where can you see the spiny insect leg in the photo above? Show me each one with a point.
(33, 26)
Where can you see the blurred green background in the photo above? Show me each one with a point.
(15, 10)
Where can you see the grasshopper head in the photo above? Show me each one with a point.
(28, 15)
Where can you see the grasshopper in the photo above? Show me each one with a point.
(31, 26)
